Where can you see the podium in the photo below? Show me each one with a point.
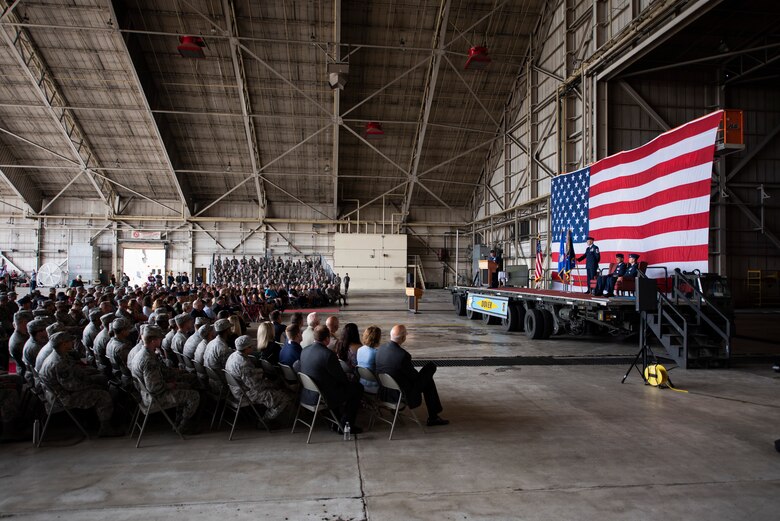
(486, 270)
(413, 296)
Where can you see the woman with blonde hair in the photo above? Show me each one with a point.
(269, 349)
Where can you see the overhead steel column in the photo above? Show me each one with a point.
(32, 63)
(146, 87)
(428, 94)
(20, 183)
(337, 122)
(246, 103)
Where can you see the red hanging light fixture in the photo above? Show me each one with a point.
(478, 59)
(191, 47)
(374, 130)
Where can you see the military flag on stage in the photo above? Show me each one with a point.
(653, 200)
(566, 257)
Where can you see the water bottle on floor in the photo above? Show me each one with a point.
(347, 432)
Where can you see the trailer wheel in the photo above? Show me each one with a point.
(549, 323)
(514, 318)
(534, 324)
(490, 320)
(460, 306)
(473, 315)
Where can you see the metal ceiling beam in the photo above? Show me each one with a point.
(473, 94)
(131, 45)
(283, 154)
(644, 105)
(281, 41)
(8, 9)
(715, 57)
(20, 183)
(399, 167)
(246, 104)
(427, 102)
(336, 109)
(29, 58)
(739, 203)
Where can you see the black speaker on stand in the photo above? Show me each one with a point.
(646, 301)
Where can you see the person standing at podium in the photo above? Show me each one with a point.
(494, 257)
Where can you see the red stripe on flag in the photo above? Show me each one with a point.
(664, 140)
(696, 158)
(671, 224)
(677, 193)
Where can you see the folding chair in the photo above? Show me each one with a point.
(188, 365)
(309, 384)
(201, 372)
(180, 360)
(290, 378)
(153, 407)
(219, 381)
(269, 369)
(236, 404)
(388, 382)
(371, 399)
(53, 404)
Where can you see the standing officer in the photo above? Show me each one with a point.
(592, 258)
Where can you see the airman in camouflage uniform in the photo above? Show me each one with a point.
(191, 345)
(184, 325)
(90, 333)
(170, 357)
(119, 346)
(19, 338)
(146, 367)
(101, 342)
(38, 337)
(218, 350)
(60, 374)
(207, 334)
(258, 389)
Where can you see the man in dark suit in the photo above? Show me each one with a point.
(592, 258)
(321, 364)
(394, 360)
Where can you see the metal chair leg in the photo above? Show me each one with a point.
(45, 426)
(143, 427)
(395, 417)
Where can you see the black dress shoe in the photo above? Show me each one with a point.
(436, 421)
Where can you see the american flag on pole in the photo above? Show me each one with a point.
(653, 200)
(539, 271)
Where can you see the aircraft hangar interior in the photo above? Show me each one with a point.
(390, 259)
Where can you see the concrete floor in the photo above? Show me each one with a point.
(526, 442)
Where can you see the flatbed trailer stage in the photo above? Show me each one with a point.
(541, 313)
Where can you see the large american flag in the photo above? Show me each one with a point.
(653, 200)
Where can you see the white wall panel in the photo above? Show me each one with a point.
(373, 261)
